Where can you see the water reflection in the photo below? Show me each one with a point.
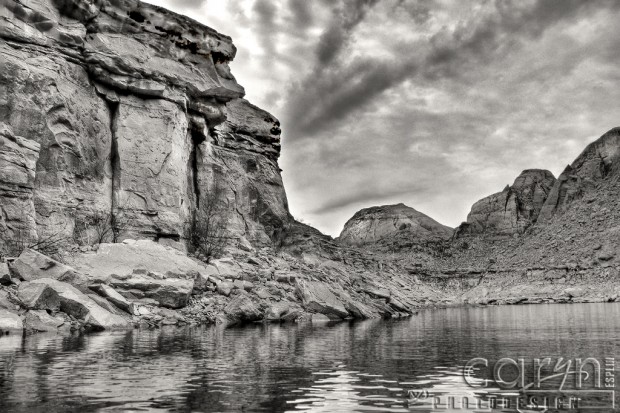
(365, 366)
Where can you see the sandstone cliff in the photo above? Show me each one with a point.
(371, 225)
(599, 161)
(511, 211)
(123, 108)
(123, 134)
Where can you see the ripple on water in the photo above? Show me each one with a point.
(364, 366)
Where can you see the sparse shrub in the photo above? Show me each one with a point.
(210, 235)
(103, 226)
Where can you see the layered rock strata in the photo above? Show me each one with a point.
(126, 109)
(513, 210)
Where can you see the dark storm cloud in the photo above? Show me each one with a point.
(336, 89)
(374, 192)
(347, 15)
(265, 26)
(418, 10)
(302, 13)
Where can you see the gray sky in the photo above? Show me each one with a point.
(433, 103)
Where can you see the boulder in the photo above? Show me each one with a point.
(38, 296)
(224, 288)
(277, 310)
(573, 292)
(168, 292)
(242, 309)
(285, 276)
(263, 293)
(82, 307)
(106, 305)
(377, 292)
(113, 296)
(319, 318)
(32, 265)
(205, 279)
(292, 314)
(227, 268)
(6, 302)
(243, 285)
(359, 310)
(10, 322)
(317, 297)
(5, 275)
(41, 321)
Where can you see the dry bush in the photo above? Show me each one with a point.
(50, 244)
(210, 235)
(104, 226)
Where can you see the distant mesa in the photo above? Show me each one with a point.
(371, 225)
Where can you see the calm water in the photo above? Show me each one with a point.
(363, 366)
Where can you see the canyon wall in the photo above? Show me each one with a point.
(123, 109)
(511, 211)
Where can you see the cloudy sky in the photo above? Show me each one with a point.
(433, 103)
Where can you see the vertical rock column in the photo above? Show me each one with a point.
(150, 181)
(18, 159)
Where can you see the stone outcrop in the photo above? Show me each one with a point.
(32, 265)
(142, 256)
(371, 225)
(598, 161)
(513, 210)
(79, 305)
(114, 297)
(38, 296)
(317, 297)
(167, 292)
(41, 321)
(129, 115)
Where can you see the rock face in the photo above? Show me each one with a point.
(513, 210)
(598, 161)
(373, 224)
(18, 159)
(120, 109)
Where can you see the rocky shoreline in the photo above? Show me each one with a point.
(118, 286)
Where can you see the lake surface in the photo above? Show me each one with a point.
(373, 365)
